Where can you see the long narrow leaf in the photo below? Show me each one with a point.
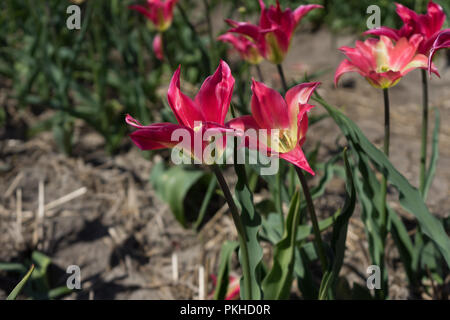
(13, 295)
(224, 270)
(277, 284)
(339, 235)
(409, 196)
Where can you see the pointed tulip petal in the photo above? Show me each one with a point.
(419, 61)
(297, 96)
(157, 136)
(442, 41)
(384, 31)
(407, 15)
(247, 127)
(297, 157)
(214, 96)
(301, 11)
(185, 110)
(268, 107)
(344, 67)
(434, 19)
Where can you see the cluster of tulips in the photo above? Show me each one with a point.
(382, 61)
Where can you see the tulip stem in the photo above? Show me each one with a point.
(423, 154)
(240, 230)
(260, 75)
(386, 152)
(283, 79)
(315, 222)
(384, 214)
(166, 53)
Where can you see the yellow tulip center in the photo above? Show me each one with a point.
(284, 142)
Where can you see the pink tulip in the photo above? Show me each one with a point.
(442, 41)
(382, 62)
(288, 115)
(158, 47)
(159, 12)
(205, 113)
(274, 33)
(427, 25)
(247, 49)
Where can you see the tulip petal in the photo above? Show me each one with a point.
(302, 121)
(249, 128)
(407, 15)
(433, 21)
(185, 110)
(301, 11)
(442, 41)
(214, 96)
(298, 96)
(268, 107)
(246, 29)
(344, 67)
(384, 31)
(403, 52)
(157, 136)
(143, 10)
(419, 61)
(297, 158)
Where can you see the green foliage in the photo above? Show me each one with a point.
(34, 283)
(252, 223)
(278, 282)
(226, 253)
(368, 193)
(339, 237)
(18, 288)
(172, 186)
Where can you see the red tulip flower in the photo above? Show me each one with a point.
(442, 41)
(274, 32)
(158, 47)
(289, 115)
(247, 49)
(382, 62)
(205, 113)
(427, 25)
(159, 12)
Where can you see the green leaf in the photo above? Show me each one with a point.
(434, 155)
(278, 282)
(18, 288)
(410, 198)
(304, 255)
(226, 254)
(172, 186)
(252, 223)
(339, 235)
(13, 267)
(206, 200)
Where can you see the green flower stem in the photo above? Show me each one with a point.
(240, 230)
(283, 79)
(423, 153)
(260, 74)
(386, 152)
(315, 222)
(384, 214)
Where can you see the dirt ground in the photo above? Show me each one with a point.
(123, 237)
